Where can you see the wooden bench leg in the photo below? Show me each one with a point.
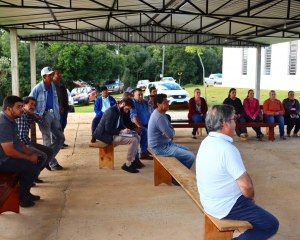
(161, 175)
(211, 232)
(267, 131)
(271, 133)
(199, 131)
(106, 157)
(12, 202)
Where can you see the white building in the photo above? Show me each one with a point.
(280, 67)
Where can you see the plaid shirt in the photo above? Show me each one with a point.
(23, 125)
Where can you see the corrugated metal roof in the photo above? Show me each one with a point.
(175, 22)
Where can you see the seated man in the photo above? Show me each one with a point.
(14, 155)
(102, 103)
(292, 114)
(28, 116)
(226, 190)
(161, 133)
(110, 128)
(273, 112)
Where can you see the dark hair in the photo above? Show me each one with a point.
(159, 98)
(10, 101)
(27, 99)
(152, 88)
(249, 92)
(128, 102)
(290, 92)
(137, 90)
(127, 95)
(218, 114)
(231, 89)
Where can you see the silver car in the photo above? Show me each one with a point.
(114, 85)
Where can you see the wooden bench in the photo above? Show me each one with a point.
(9, 192)
(106, 154)
(214, 229)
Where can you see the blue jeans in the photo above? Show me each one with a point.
(279, 119)
(180, 152)
(52, 125)
(196, 118)
(44, 151)
(29, 173)
(264, 223)
(238, 131)
(144, 140)
(64, 118)
(95, 123)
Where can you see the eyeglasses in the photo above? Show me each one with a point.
(233, 119)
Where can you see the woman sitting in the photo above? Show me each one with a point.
(251, 112)
(197, 110)
(239, 110)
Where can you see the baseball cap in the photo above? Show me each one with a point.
(103, 88)
(46, 71)
(129, 89)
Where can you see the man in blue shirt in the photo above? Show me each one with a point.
(47, 107)
(102, 103)
(140, 116)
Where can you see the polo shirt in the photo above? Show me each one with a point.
(49, 100)
(8, 133)
(218, 166)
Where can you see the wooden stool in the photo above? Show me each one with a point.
(106, 154)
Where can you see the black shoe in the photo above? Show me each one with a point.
(26, 203)
(57, 167)
(32, 197)
(33, 185)
(48, 167)
(38, 180)
(130, 169)
(136, 165)
(175, 182)
(65, 145)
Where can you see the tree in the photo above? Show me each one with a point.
(5, 73)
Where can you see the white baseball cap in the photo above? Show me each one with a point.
(46, 71)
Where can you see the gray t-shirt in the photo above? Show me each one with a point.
(157, 126)
(8, 133)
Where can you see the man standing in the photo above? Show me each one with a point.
(102, 103)
(28, 116)
(226, 189)
(63, 98)
(161, 134)
(111, 128)
(47, 106)
(140, 116)
(14, 155)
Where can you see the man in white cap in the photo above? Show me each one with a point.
(47, 107)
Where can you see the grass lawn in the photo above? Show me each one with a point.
(215, 95)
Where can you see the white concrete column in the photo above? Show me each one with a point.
(14, 62)
(32, 64)
(257, 73)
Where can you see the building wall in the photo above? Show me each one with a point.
(279, 79)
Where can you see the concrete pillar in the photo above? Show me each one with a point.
(32, 64)
(257, 73)
(14, 62)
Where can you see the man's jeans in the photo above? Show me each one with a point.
(264, 223)
(238, 131)
(180, 152)
(52, 125)
(46, 152)
(29, 173)
(133, 143)
(279, 119)
(63, 119)
(95, 123)
(196, 118)
(144, 140)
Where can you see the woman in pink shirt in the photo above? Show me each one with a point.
(251, 112)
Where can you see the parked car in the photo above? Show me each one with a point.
(114, 85)
(142, 84)
(84, 95)
(175, 93)
(213, 79)
(168, 79)
(71, 102)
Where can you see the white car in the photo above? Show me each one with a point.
(174, 92)
(213, 79)
(71, 102)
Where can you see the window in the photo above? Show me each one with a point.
(268, 53)
(293, 58)
(245, 61)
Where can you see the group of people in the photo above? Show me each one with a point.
(47, 105)
(285, 112)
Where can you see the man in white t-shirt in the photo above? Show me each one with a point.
(226, 189)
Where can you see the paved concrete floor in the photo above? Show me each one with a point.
(84, 202)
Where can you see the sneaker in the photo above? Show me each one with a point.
(130, 169)
(259, 137)
(283, 138)
(26, 203)
(57, 167)
(65, 145)
(136, 165)
(32, 197)
(145, 156)
(194, 137)
(48, 167)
